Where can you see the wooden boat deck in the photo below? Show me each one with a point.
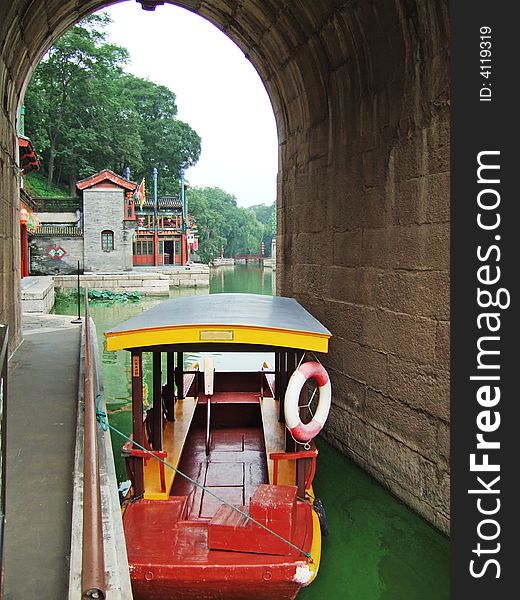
(233, 470)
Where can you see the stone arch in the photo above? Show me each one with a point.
(360, 92)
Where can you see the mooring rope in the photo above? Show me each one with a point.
(105, 425)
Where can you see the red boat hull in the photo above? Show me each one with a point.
(216, 584)
(171, 560)
(194, 546)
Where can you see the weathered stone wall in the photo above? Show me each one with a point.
(43, 264)
(103, 209)
(364, 244)
(360, 94)
(10, 301)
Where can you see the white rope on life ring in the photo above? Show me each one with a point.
(305, 432)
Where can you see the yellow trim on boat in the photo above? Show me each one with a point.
(316, 544)
(237, 334)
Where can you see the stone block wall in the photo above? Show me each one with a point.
(364, 221)
(43, 264)
(10, 301)
(37, 295)
(152, 284)
(104, 210)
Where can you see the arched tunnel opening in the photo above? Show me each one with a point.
(360, 93)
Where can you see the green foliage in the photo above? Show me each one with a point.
(223, 224)
(108, 295)
(100, 295)
(39, 187)
(85, 114)
(170, 144)
(265, 214)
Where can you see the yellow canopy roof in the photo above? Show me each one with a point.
(249, 319)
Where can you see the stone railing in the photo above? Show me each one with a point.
(59, 230)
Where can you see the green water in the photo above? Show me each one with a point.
(378, 549)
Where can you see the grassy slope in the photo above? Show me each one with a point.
(37, 186)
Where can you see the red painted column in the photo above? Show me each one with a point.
(24, 250)
(137, 416)
(179, 375)
(170, 386)
(184, 249)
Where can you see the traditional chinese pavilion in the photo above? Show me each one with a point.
(161, 233)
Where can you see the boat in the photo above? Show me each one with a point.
(222, 463)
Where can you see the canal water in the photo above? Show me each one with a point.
(378, 549)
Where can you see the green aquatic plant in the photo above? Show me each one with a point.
(100, 295)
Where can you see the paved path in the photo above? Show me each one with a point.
(41, 428)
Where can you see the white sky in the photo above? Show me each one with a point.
(218, 91)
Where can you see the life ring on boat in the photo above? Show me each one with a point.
(305, 432)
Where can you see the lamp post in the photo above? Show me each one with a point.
(155, 215)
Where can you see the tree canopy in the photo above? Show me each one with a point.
(222, 224)
(265, 215)
(84, 113)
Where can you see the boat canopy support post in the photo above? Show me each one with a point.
(157, 425)
(303, 467)
(277, 383)
(179, 375)
(137, 416)
(170, 386)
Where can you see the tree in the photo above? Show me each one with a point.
(85, 114)
(221, 224)
(72, 105)
(264, 214)
(169, 144)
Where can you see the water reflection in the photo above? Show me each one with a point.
(252, 279)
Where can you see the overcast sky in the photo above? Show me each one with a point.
(219, 94)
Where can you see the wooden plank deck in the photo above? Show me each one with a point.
(274, 438)
(174, 436)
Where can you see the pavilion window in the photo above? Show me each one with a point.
(107, 240)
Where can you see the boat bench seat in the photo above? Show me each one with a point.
(174, 436)
(271, 505)
(274, 438)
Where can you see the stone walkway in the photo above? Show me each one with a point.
(43, 387)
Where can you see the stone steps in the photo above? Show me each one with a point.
(146, 281)
(37, 294)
